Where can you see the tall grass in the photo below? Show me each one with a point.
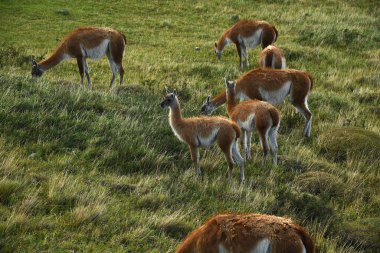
(100, 171)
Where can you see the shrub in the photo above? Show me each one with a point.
(320, 183)
(364, 233)
(340, 144)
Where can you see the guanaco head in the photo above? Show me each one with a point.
(207, 107)
(218, 52)
(36, 71)
(230, 87)
(169, 100)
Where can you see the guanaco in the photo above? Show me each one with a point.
(248, 233)
(83, 43)
(247, 34)
(203, 132)
(273, 86)
(253, 115)
(272, 57)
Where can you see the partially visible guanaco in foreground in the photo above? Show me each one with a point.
(253, 115)
(87, 42)
(248, 233)
(203, 132)
(272, 57)
(247, 34)
(273, 86)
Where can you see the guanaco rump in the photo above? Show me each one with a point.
(272, 57)
(247, 34)
(87, 42)
(253, 115)
(203, 132)
(248, 233)
(271, 85)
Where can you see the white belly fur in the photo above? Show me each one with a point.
(253, 40)
(96, 52)
(247, 124)
(208, 140)
(276, 97)
(262, 247)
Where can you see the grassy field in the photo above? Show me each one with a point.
(100, 171)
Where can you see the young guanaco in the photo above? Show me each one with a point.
(204, 131)
(254, 115)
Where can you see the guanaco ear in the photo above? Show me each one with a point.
(208, 99)
(226, 82)
(34, 63)
(175, 92)
(216, 45)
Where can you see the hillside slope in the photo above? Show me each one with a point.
(100, 171)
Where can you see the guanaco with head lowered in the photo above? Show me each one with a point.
(253, 115)
(247, 34)
(203, 132)
(272, 57)
(273, 86)
(87, 42)
(248, 233)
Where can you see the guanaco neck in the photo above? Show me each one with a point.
(219, 99)
(175, 115)
(223, 41)
(52, 60)
(231, 100)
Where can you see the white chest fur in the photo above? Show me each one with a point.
(175, 131)
(96, 52)
(276, 97)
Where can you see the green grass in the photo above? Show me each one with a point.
(99, 171)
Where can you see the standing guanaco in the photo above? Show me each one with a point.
(247, 34)
(253, 115)
(87, 42)
(203, 132)
(273, 86)
(272, 57)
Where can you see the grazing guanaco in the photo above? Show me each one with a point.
(272, 57)
(253, 115)
(273, 86)
(87, 42)
(247, 34)
(203, 132)
(248, 233)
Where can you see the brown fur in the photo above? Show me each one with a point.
(244, 29)
(194, 130)
(255, 81)
(240, 233)
(247, 28)
(271, 57)
(266, 119)
(87, 38)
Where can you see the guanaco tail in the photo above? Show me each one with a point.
(248, 233)
(254, 115)
(204, 131)
(247, 34)
(273, 86)
(83, 43)
(272, 57)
